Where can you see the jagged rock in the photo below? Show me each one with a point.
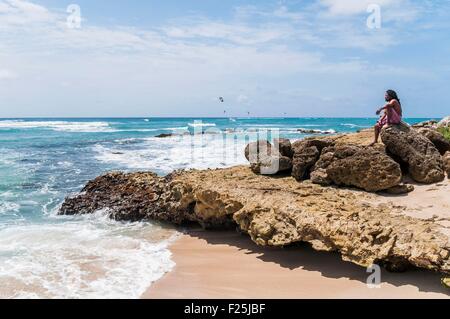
(447, 163)
(304, 159)
(127, 196)
(284, 146)
(424, 160)
(255, 149)
(351, 165)
(145, 196)
(306, 154)
(164, 135)
(400, 189)
(271, 165)
(320, 176)
(439, 141)
(432, 124)
(319, 143)
(274, 212)
(265, 159)
(311, 131)
(445, 122)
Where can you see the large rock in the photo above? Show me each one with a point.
(284, 147)
(304, 159)
(274, 212)
(423, 159)
(319, 143)
(306, 154)
(271, 165)
(368, 168)
(265, 159)
(254, 149)
(441, 143)
(447, 163)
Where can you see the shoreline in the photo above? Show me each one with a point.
(225, 264)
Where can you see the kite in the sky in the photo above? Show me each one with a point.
(221, 99)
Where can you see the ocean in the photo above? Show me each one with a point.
(43, 255)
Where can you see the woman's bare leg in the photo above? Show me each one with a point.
(377, 134)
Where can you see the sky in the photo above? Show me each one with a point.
(175, 58)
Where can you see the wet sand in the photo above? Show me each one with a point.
(229, 265)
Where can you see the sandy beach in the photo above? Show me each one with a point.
(228, 265)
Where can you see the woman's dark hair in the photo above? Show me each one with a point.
(393, 95)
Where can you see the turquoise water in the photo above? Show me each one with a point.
(44, 160)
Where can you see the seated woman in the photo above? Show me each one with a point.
(392, 113)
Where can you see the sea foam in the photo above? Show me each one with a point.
(89, 257)
(180, 152)
(59, 126)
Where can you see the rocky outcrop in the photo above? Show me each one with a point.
(306, 154)
(431, 124)
(284, 147)
(273, 212)
(367, 168)
(424, 160)
(447, 163)
(265, 159)
(255, 150)
(271, 165)
(439, 141)
(304, 159)
(311, 131)
(145, 196)
(165, 135)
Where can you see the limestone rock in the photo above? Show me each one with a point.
(424, 160)
(319, 143)
(274, 212)
(254, 149)
(432, 124)
(266, 159)
(304, 159)
(439, 141)
(284, 147)
(271, 165)
(306, 154)
(350, 165)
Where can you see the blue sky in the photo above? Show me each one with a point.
(176, 57)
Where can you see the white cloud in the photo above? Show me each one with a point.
(7, 75)
(128, 66)
(351, 7)
(19, 12)
(236, 33)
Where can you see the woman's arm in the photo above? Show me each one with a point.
(390, 104)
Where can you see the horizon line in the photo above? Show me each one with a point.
(209, 117)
